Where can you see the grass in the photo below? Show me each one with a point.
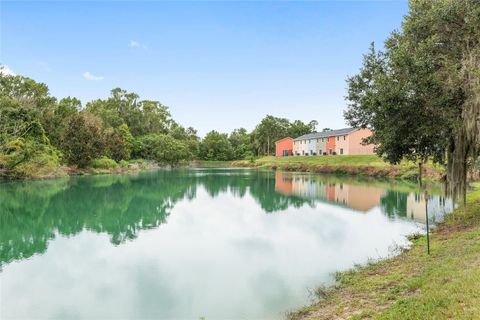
(369, 165)
(209, 164)
(103, 163)
(414, 285)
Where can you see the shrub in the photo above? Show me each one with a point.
(29, 158)
(163, 149)
(83, 140)
(103, 163)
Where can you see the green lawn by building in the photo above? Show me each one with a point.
(371, 165)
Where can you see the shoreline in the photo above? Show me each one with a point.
(346, 165)
(136, 166)
(71, 171)
(412, 284)
(362, 166)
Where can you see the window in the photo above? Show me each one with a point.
(338, 138)
(320, 152)
(341, 150)
(344, 138)
(329, 151)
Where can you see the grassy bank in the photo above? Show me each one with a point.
(414, 285)
(97, 166)
(369, 165)
(103, 166)
(208, 164)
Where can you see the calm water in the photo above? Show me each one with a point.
(192, 243)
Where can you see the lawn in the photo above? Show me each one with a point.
(337, 160)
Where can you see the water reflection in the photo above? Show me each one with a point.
(219, 243)
(396, 200)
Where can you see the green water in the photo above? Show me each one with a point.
(192, 243)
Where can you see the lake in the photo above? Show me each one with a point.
(193, 243)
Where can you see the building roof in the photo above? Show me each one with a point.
(283, 139)
(325, 134)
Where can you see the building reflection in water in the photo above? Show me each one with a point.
(362, 197)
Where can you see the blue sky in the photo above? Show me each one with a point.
(217, 65)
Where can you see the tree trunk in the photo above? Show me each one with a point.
(268, 145)
(457, 166)
(420, 172)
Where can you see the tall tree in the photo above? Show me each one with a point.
(215, 146)
(57, 120)
(83, 139)
(269, 130)
(24, 146)
(241, 143)
(422, 96)
(299, 128)
(142, 117)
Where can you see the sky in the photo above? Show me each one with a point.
(217, 65)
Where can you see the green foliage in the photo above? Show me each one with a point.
(123, 163)
(299, 128)
(83, 140)
(382, 96)
(141, 117)
(422, 95)
(216, 146)
(31, 96)
(163, 149)
(116, 147)
(241, 143)
(29, 158)
(119, 127)
(272, 129)
(188, 136)
(103, 163)
(58, 117)
(25, 149)
(128, 139)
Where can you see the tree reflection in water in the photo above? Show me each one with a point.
(34, 212)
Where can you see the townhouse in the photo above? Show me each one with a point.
(341, 141)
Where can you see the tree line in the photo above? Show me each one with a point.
(421, 94)
(39, 132)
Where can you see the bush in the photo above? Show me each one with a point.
(116, 147)
(29, 158)
(123, 163)
(163, 149)
(82, 140)
(216, 146)
(103, 163)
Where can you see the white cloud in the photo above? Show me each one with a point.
(90, 76)
(4, 69)
(136, 44)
